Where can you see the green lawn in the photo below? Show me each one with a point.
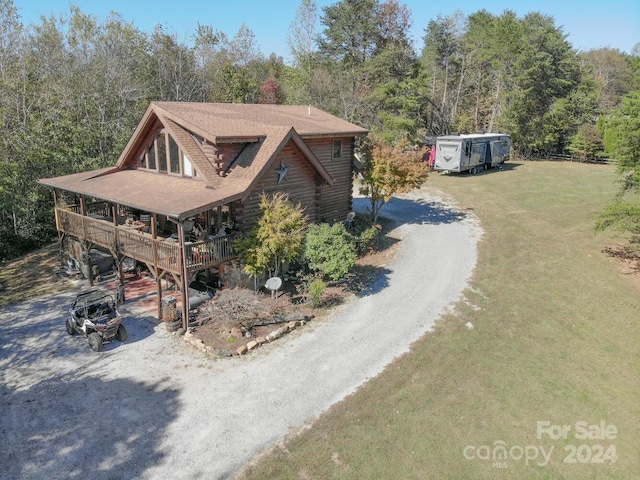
(556, 339)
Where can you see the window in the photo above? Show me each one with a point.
(337, 148)
(477, 152)
(162, 153)
(152, 156)
(188, 169)
(174, 156)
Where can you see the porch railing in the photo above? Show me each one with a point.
(164, 254)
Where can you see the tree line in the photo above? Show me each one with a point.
(73, 87)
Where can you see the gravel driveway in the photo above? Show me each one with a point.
(156, 408)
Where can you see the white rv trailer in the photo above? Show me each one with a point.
(471, 152)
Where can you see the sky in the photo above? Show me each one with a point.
(589, 24)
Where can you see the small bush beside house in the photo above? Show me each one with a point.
(330, 250)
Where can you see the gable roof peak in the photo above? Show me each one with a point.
(233, 120)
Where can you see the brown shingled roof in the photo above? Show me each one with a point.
(170, 195)
(266, 129)
(231, 120)
(252, 162)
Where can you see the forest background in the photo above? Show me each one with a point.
(73, 88)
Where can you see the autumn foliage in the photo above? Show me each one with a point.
(391, 169)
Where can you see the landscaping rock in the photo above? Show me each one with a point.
(276, 334)
(223, 353)
(261, 340)
(252, 344)
(242, 349)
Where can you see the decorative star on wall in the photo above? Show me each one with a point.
(282, 171)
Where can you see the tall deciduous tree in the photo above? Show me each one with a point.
(624, 211)
(612, 73)
(442, 66)
(270, 92)
(174, 71)
(301, 40)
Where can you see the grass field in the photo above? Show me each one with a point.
(556, 339)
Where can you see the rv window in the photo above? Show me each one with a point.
(467, 150)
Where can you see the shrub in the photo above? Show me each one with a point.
(277, 238)
(330, 250)
(367, 240)
(316, 289)
(311, 289)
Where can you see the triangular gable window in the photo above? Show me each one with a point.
(163, 155)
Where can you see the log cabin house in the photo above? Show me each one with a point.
(191, 177)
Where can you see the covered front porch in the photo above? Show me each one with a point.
(172, 250)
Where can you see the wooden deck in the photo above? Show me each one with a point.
(158, 252)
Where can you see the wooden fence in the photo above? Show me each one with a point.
(571, 158)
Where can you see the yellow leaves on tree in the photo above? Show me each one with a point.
(278, 237)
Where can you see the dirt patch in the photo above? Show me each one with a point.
(31, 275)
(629, 260)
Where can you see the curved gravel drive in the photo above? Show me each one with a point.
(156, 408)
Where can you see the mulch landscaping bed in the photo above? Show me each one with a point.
(226, 337)
(222, 336)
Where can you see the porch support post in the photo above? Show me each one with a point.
(154, 225)
(184, 283)
(86, 253)
(55, 210)
(115, 251)
(58, 229)
(83, 212)
(218, 218)
(159, 295)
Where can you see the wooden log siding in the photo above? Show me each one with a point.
(142, 247)
(223, 154)
(336, 201)
(300, 183)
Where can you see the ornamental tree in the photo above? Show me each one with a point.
(278, 236)
(389, 170)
